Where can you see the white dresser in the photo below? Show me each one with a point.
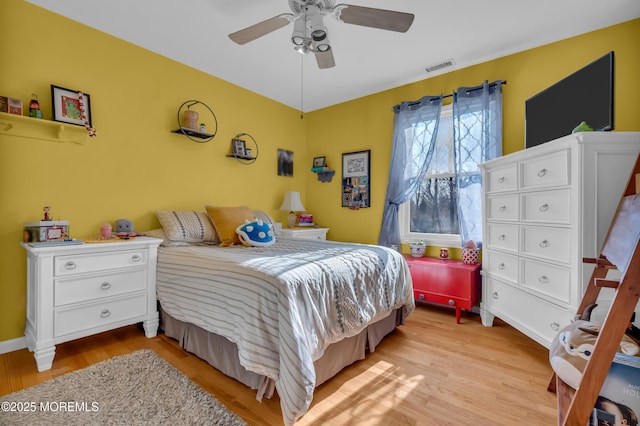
(305, 233)
(78, 290)
(545, 209)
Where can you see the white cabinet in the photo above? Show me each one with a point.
(545, 209)
(77, 290)
(305, 233)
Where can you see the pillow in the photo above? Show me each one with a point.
(257, 233)
(186, 226)
(166, 242)
(226, 220)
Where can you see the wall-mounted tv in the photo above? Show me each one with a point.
(586, 95)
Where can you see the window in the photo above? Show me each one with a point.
(432, 213)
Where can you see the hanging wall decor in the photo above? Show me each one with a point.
(285, 162)
(356, 181)
(67, 106)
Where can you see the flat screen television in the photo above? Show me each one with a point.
(585, 95)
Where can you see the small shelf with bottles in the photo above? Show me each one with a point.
(41, 129)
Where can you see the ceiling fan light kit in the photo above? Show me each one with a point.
(311, 35)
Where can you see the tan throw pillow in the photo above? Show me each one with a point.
(187, 226)
(226, 220)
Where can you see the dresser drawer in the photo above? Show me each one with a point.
(503, 179)
(549, 243)
(74, 290)
(537, 316)
(547, 279)
(503, 207)
(503, 236)
(501, 264)
(546, 170)
(547, 206)
(78, 264)
(67, 321)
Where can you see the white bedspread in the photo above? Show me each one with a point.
(282, 305)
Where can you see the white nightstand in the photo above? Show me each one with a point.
(304, 233)
(74, 291)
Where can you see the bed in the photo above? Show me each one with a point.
(286, 317)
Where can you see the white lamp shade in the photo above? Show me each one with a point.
(292, 202)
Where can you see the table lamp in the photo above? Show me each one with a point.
(293, 204)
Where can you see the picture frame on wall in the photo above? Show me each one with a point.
(319, 162)
(356, 179)
(67, 106)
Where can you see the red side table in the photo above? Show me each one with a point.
(447, 282)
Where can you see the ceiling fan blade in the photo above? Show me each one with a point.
(325, 59)
(375, 18)
(260, 29)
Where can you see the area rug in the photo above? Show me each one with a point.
(135, 389)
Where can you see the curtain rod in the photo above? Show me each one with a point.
(450, 95)
(476, 88)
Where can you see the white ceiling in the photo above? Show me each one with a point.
(194, 32)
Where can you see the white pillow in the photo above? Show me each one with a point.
(187, 226)
(264, 216)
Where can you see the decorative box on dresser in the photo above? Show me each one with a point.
(545, 209)
(74, 291)
(305, 233)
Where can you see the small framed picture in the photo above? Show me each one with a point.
(238, 147)
(67, 106)
(319, 161)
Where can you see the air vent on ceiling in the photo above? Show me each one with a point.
(436, 67)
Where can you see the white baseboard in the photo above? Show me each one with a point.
(13, 345)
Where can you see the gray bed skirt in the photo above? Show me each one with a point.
(223, 354)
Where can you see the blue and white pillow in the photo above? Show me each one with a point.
(257, 233)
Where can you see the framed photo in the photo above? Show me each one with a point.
(356, 182)
(238, 147)
(285, 162)
(319, 161)
(66, 106)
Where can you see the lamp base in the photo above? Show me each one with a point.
(291, 220)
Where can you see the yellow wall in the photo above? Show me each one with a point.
(136, 165)
(367, 123)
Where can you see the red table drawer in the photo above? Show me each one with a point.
(448, 282)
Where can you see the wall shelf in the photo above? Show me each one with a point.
(325, 175)
(40, 129)
(193, 134)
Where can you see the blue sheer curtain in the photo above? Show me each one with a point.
(477, 135)
(415, 127)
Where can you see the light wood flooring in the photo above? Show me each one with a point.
(430, 371)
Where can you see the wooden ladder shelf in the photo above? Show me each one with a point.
(575, 406)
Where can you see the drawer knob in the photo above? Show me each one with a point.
(543, 279)
(105, 286)
(105, 313)
(452, 302)
(544, 243)
(503, 208)
(542, 172)
(136, 258)
(501, 266)
(544, 207)
(70, 266)
(495, 295)
(501, 179)
(555, 326)
(502, 237)
(421, 296)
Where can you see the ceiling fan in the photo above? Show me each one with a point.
(309, 32)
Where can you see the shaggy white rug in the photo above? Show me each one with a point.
(135, 389)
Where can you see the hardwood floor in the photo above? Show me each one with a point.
(430, 371)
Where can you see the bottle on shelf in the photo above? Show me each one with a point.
(34, 107)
